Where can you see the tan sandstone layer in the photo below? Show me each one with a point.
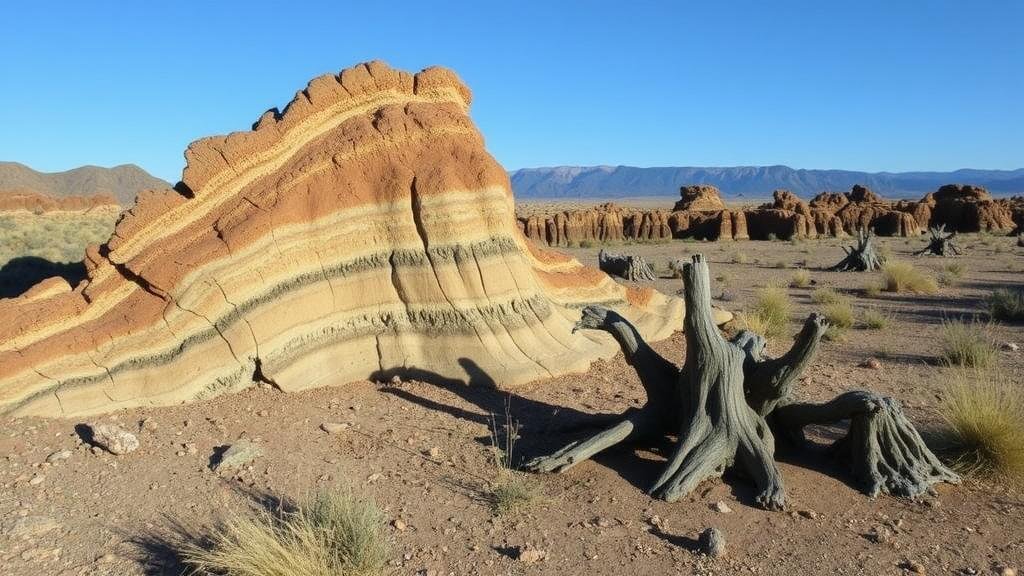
(363, 231)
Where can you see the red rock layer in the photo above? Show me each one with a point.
(36, 202)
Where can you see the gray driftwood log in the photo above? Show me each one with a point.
(940, 244)
(861, 257)
(630, 267)
(729, 401)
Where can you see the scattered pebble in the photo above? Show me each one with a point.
(58, 456)
(238, 454)
(36, 480)
(1011, 346)
(872, 364)
(712, 542)
(399, 525)
(434, 452)
(113, 438)
(334, 427)
(722, 507)
(530, 555)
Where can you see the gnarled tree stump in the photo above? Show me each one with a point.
(633, 268)
(730, 399)
(940, 244)
(862, 257)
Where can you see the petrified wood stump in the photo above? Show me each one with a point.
(730, 399)
(940, 243)
(862, 257)
(630, 267)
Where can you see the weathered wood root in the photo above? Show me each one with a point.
(630, 267)
(729, 398)
(882, 448)
(860, 258)
(940, 243)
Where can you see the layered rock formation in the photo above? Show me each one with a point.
(361, 232)
(701, 214)
(11, 200)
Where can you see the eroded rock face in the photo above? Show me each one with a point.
(967, 208)
(362, 232)
(701, 214)
(700, 198)
(11, 200)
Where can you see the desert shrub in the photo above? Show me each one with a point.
(873, 319)
(872, 291)
(825, 296)
(904, 277)
(1006, 305)
(54, 236)
(330, 533)
(800, 279)
(739, 258)
(839, 314)
(753, 322)
(984, 415)
(773, 309)
(834, 333)
(884, 252)
(967, 344)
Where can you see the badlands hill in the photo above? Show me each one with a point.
(362, 232)
(749, 181)
(122, 182)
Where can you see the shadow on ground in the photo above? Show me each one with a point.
(21, 273)
(541, 428)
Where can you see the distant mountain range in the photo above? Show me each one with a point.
(749, 181)
(124, 181)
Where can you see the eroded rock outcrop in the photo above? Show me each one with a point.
(362, 232)
(12, 200)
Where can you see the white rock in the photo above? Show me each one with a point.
(335, 427)
(722, 507)
(113, 438)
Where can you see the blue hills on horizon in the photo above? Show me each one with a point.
(745, 181)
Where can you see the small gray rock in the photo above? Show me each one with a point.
(58, 456)
(712, 542)
(30, 526)
(238, 454)
(334, 427)
(113, 438)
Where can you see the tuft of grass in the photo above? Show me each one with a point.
(968, 344)
(739, 258)
(872, 291)
(1006, 305)
(839, 314)
(772, 310)
(800, 279)
(826, 296)
(511, 491)
(900, 276)
(984, 415)
(834, 334)
(873, 319)
(330, 533)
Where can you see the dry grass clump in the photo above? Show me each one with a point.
(839, 314)
(984, 415)
(951, 274)
(511, 491)
(873, 319)
(739, 258)
(900, 276)
(330, 533)
(800, 279)
(55, 236)
(826, 296)
(1006, 305)
(968, 344)
(770, 313)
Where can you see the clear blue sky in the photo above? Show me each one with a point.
(909, 85)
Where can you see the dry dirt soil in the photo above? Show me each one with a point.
(422, 451)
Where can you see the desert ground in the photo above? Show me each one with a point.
(424, 452)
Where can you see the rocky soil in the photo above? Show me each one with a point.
(423, 452)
